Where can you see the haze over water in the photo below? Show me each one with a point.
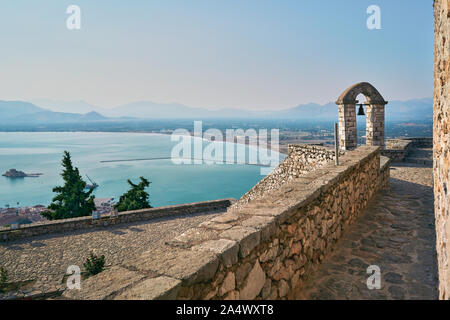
(34, 152)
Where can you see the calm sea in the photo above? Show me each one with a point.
(170, 183)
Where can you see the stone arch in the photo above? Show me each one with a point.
(374, 116)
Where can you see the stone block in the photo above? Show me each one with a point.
(193, 237)
(159, 288)
(227, 250)
(228, 284)
(103, 285)
(190, 266)
(267, 225)
(248, 238)
(254, 283)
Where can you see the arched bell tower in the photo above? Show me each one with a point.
(374, 116)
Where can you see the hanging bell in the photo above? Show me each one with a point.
(361, 110)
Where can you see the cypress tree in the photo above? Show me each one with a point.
(71, 200)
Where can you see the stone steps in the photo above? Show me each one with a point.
(420, 156)
(424, 161)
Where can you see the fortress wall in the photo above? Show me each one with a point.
(441, 138)
(67, 225)
(301, 159)
(397, 149)
(260, 251)
(422, 142)
(385, 173)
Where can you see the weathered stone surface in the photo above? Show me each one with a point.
(233, 295)
(191, 266)
(215, 225)
(254, 283)
(227, 250)
(296, 248)
(283, 288)
(301, 160)
(228, 217)
(229, 283)
(160, 288)
(441, 138)
(248, 238)
(103, 285)
(267, 225)
(265, 292)
(242, 272)
(269, 255)
(193, 237)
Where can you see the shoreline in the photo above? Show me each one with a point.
(249, 143)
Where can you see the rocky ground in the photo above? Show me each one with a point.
(45, 259)
(397, 234)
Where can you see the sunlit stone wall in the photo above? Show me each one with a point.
(441, 139)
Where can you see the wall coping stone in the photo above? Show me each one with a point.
(81, 223)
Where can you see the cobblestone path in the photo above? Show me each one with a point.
(396, 232)
(46, 258)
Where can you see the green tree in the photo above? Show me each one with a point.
(136, 198)
(71, 200)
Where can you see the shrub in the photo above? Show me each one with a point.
(94, 265)
(3, 278)
(136, 198)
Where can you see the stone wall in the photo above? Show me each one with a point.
(422, 142)
(441, 138)
(301, 159)
(263, 250)
(398, 149)
(66, 225)
(375, 125)
(347, 126)
(385, 173)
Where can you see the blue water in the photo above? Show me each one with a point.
(41, 152)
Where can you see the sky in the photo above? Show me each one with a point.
(251, 54)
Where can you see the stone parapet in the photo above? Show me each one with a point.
(301, 159)
(263, 250)
(67, 225)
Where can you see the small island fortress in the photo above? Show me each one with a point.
(13, 173)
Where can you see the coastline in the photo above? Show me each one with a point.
(109, 136)
(250, 143)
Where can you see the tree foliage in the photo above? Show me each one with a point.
(72, 200)
(136, 198)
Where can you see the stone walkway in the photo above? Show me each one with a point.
(46, 258)
(396, 232)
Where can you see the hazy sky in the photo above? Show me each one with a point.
(252, 54)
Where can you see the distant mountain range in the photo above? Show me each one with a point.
(26, 112)
(51, 111)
